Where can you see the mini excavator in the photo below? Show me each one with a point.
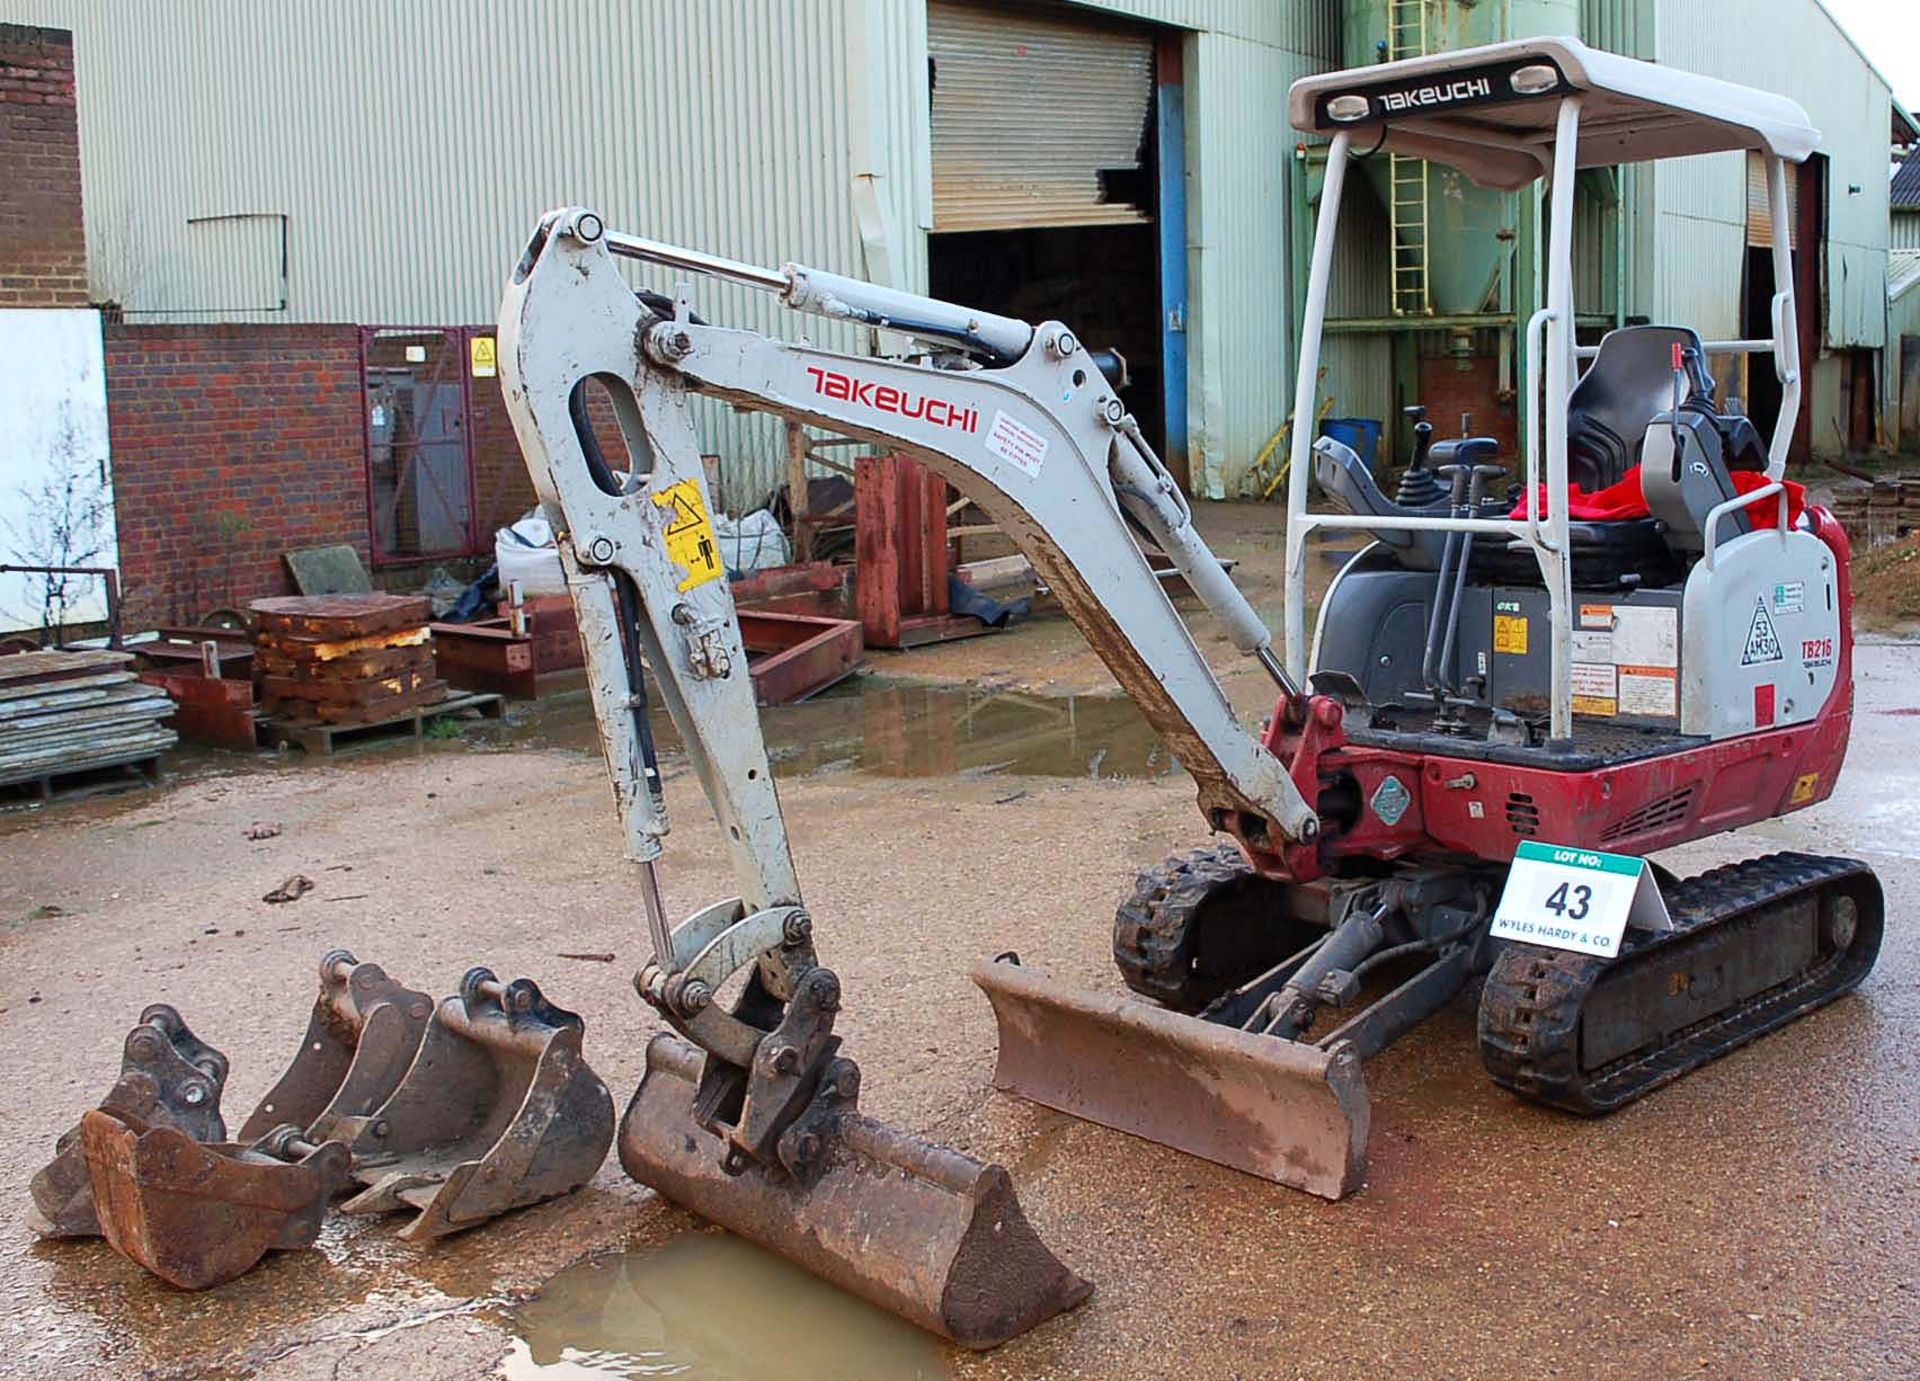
(1633, 634)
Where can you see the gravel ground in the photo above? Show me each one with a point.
(1760, 1218)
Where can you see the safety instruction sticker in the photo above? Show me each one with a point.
(1763, 643)
(1596, 688)
(1596, 616)
(1510, 634)
(1577, 899)
(482, 357)
(689, 533)
(1593, 646)
(1790, 597)
(1020, 446)
(1652, 691)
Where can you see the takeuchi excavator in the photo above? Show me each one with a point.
(1630, 635)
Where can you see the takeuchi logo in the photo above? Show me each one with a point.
(831, 383)
(1466, 89)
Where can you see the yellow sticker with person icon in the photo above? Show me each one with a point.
(689, 534)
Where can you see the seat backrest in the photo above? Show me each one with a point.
(1683, 474)
(1629, 383)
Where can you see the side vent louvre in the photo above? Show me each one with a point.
(1668, 810)
(1522, 814)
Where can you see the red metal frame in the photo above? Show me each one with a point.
(1467, 806)
(455, 338)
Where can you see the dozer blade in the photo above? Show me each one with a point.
(498, 1110)
(362, 1036)
(168, 1077)
(932, 1235)
(199, 1215)
(1283, 1110)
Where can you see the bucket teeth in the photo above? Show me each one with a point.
(924, 1231)
(362, 1036)
(497, 1110)
(198, 1215)
(168, 1078)
(1284, 1110)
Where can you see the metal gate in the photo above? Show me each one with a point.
(421, 501)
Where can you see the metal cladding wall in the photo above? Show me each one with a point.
(1795, 48)
(406, 150)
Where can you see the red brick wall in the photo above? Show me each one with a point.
(502, 491)
(43, 255)
(231, 444)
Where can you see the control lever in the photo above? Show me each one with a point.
(1418, 488)
(1467, 481)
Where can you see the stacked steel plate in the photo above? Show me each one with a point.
(64, 713)
(344, 659)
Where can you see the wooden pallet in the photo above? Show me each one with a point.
(322, 738)
(93, 780)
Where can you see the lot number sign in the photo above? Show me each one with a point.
(1577, 899)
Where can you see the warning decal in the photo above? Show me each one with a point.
(1021, 447)
(1510, 635)
(689, 533)
(1763, 644)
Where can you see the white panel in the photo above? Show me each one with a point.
(56, 495)
(1031, 113)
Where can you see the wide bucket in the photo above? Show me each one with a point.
(198, 1215)
(1283, 1110)
(923, 1231)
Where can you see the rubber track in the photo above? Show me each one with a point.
(1152, 929)
(1531, 1007)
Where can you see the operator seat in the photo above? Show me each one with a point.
(1629, 383)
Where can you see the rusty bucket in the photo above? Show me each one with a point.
(498, 1110)
(168, 1077)
(362, 1036)
(932, 1235)
(199, 1215)
(1284, 1110)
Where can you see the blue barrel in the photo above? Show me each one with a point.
(1361, 434)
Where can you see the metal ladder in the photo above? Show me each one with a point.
(1407, 178)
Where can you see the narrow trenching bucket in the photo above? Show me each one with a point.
(1284, 1110)
(926, 1232)
(168, 1077)
(199, 1215)
(362, 1037)
(498, 1110)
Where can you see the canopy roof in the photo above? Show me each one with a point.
(1490, 111)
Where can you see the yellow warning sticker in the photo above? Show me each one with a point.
(1803, 788)
(483, 359)
(1510, 634)
(689, 533)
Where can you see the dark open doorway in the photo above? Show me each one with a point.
(1756, 316)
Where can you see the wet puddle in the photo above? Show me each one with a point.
(907, 729)
(710, 1307)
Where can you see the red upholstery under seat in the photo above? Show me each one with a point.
(1623, 501)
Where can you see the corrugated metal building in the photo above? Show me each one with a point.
(379, 164)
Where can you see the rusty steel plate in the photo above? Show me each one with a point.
(1283, 1110)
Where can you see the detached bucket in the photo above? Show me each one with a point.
(498, 1110)
(1283, 1110)
(197, 1215)
(932, 1235)
(168, 1078)
(362, 1036)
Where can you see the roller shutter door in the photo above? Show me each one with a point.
(1037, 120)
(1760, 210)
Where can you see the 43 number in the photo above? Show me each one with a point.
(1569, 901)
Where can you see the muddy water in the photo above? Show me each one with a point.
(712, 1307)
(908, 729)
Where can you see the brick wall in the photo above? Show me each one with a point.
(502, 491)
(231, 444)
(43, 256)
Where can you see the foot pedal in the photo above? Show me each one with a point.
(199, 1215)
(498, 1110)
(360, 1041)
(169, 1078)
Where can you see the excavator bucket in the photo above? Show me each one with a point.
(1284, 1110)
(498, 1110)
(199, 1215)
(364, 1032)
(932, 1235)
(168, 1078)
